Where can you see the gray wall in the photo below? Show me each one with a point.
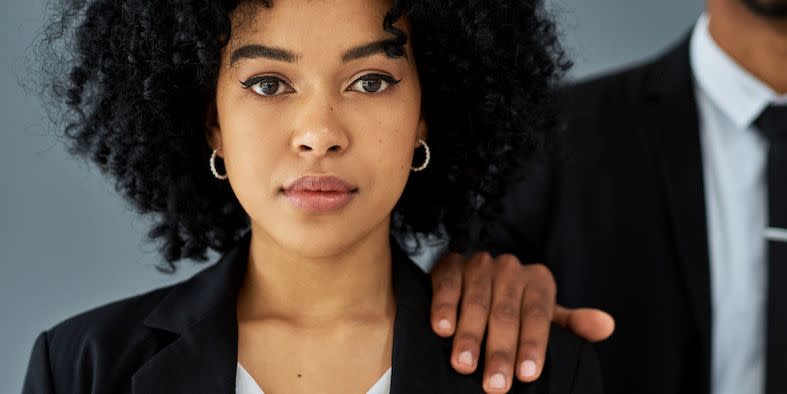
(70, 243)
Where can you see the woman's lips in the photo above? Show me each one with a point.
(319, 193)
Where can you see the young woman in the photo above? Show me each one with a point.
(306, 140)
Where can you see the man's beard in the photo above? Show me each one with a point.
(773, 9)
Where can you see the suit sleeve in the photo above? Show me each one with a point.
(38, 379)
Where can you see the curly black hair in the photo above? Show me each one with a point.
(143, 73)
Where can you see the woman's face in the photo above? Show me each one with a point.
(305, 90)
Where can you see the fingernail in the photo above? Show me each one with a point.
(497, 381)
(466, 358)
(444, 325)
(528, 369)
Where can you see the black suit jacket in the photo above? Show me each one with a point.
(619, 217)
(183, 339)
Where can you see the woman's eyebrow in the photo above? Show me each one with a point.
(253, 51)
(364, 50)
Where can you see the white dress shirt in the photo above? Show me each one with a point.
(245, 384)
(729, 100)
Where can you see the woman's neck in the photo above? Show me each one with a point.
(352, 286)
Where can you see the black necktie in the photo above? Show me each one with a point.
(773, 125)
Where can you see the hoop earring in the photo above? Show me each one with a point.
(213, 166)
(426, 160)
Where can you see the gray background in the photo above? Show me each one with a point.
(69, 243)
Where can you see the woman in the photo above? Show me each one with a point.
(292, 136)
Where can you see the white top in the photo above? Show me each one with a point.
(734, 154)
(245, 384)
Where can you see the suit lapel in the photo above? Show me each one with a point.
(672, 129)
(201, 313)
(421, 359)
(417, 362)
(201, 360)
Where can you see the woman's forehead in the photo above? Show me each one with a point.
(292, 29)
(294, 20)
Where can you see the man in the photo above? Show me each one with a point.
(669, 210)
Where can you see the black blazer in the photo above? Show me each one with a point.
(619, 217)
(183, 339)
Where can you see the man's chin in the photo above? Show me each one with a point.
(771, 9)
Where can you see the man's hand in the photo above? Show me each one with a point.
(515, 303)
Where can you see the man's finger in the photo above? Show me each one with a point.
(591, 324)
(537, 307)
(447, 290)
(503, 327)
(476, 298)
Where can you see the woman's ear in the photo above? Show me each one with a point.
(423, 130)
(212, 128)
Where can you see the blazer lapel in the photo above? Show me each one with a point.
(416, 359)
(421, 360)
(201, 313)
(672, 129)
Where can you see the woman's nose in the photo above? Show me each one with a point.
(319, 131)
(320, 141)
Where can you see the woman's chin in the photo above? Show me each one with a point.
(323, 250)
(325, 237)
(320, 245)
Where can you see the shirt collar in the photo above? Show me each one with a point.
(739, 94)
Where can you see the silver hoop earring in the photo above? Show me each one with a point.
(426, 160)
(213, 166)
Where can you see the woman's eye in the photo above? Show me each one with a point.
(266, 86)
(373, 83)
